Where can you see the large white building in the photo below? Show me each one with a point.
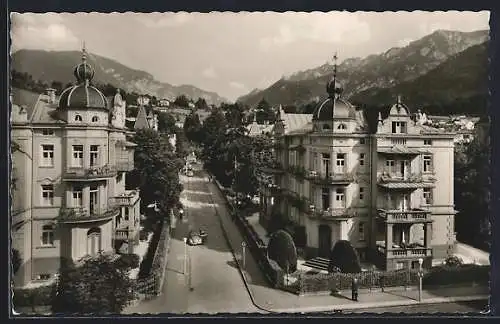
(386, 188)
(69, 171)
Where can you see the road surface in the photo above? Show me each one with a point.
(461, 307)
(216, 283)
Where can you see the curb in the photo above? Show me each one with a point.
(409, 302)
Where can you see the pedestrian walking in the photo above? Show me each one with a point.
(354, 288)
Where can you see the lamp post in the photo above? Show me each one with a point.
(420, 275)
(185, 256)
(243, 245)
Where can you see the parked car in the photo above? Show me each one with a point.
(190, 173)
(197, 238)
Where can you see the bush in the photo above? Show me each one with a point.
(147, 262)
(344, 257)
(16, 260)
(40, 296)
(453, 261)
(464, 274)
(282, 250)
(128, 261)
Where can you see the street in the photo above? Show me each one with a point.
(458, 307)
(216, 283)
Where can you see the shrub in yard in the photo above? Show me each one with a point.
(127, 261)
(453, 261)
(282, 250)
(40, 296)
(344, 257)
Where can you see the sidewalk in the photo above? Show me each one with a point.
(278, 301)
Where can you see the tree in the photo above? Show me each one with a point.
(166, 123)
(344, 257)
(192, 127)
(101, 285)
(472, 190)
(282, 250)
(265, 112)
(156, 171)
(182, 101)
(201, 104)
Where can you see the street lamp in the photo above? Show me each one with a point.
(185, 256)
(243, 245)
(420, 275)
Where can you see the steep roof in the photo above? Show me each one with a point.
(293, 122)
(141, 120)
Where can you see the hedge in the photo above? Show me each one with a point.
(464, 274)
(282, 250)
(308, 283)
(40, 296)
(344, 257)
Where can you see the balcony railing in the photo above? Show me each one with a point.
(83, 215)
(128, 198)
(273, 167)
(387, 177)
(405, 253)
(299, 171)
(90, 173)
(330, 178)
(405, 216)
(121, 234)
(330, 213)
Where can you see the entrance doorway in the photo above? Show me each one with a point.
(324, 241)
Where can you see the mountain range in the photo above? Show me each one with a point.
(51, 66)
(441, 55)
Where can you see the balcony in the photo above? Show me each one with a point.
(89, 174)
(330, 213)
(405, 181)
(128, 198)
(121, 234)
(273, 168)
(332, 178)
(415, 215)
(82, 215)
(298, 171)
(414, 252)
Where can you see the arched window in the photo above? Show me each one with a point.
(78, 118)
(95, 119)
(326, 127)
(94, 241)
(341, 127)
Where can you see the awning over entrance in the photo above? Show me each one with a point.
(401, 150)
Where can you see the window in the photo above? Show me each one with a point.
(427, 142)
(94, 199)
(47, 155)
(427, 195)
(78, 118)
(47, 235)
(389, 166)
(340, 198)
(94, 154)
(77, 196)
(398, 127)
(47, 195)
(48, 132)
(362, 141)
(325, 198)
(77, 156)
(361, 193)
(340, 163)
(362, 159)
(326, 163)
(361, 231)
(427, 163)
(126, 216)
(95, 119)
(341, 127)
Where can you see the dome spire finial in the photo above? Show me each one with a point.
(333, 87)
(335, 66)
(83, 71)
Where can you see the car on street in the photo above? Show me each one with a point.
(197, 238)
(190, 173)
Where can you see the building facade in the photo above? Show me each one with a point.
(386, 186)
(69, 198)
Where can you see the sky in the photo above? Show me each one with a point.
(232, 53)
